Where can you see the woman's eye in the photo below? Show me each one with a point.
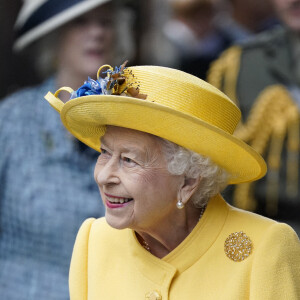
(103, 151)
(128, 161)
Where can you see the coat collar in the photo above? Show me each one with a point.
(188, 252)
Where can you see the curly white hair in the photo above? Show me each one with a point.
(193, 165)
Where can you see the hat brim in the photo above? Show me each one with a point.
(86, 118)
(56, 21)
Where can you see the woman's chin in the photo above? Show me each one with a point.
(116, 222)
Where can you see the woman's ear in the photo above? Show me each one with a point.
(188, 188)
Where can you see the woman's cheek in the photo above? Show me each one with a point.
(145, 176)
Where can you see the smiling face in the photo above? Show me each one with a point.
(135, 185)
(87, 42)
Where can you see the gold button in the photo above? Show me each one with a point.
(153, 296)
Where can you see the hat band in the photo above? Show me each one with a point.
(45, 12)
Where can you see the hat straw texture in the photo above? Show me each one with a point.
(179, 107)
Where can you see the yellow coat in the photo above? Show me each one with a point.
(110, 264)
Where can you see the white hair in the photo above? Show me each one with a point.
(181, 161)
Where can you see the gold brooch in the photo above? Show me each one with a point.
(238, 246)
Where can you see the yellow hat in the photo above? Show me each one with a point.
(165, 102)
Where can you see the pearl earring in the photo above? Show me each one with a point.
(179, 204)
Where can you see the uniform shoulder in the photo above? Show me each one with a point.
(265, 39)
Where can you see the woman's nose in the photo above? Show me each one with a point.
(108, 173)
(96, 28)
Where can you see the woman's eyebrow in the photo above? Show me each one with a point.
(102, 143)
(132, 149)
(126, 149)
(136, 152)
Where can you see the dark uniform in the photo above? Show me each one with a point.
(261, 76)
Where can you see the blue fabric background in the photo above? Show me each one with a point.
(46, 191)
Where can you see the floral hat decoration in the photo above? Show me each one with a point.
(164, 102)
(110, 82)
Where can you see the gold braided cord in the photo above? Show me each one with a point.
(223, 72)
(293, 154)
(273, 161)
(273, 117)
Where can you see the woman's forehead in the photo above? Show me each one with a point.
(105, 10)
(128, 138)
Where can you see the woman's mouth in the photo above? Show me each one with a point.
(95, 52)
(113, 201)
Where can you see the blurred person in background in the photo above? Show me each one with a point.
(200, 30)
(192, 32)
(263, 77)
(39, 222)
(240, 19)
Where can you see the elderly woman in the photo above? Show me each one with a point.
(39, 222)
(167, 151)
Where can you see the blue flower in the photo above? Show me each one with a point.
(90, 87)
(110, 85)
(95, 85)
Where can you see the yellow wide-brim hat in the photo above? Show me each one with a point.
(167, 103)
